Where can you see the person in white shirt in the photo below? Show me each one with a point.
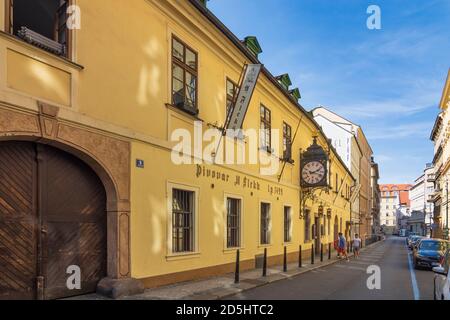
(356, 245)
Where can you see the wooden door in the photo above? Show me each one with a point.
(18, 217)
(318, 235)
(74, 220)
(68, 222)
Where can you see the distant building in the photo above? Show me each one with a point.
(352, 146)
(421, 190)
(402, 222)
(416, 223)
(395, 205)
(376, 198)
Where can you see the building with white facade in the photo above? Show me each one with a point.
(342, 134)
(419, 194)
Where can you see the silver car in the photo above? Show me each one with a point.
(442, 279)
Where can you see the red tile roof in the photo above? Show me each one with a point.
(404, 198)
(403, 190)
(395, 187)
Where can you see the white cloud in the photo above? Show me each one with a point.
(396, 132)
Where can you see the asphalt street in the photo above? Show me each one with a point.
(348, 280)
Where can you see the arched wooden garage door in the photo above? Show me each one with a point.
(52, 216)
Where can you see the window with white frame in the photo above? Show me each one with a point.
(287, 224)
(40, 22)
(184, 76)
(233, 223)
(183, 224)
(265, 223)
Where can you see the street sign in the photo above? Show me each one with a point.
(247, 87)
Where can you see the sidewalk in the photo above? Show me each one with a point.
(222, 287)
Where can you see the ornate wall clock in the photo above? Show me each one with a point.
(313, 172)
(314, 167)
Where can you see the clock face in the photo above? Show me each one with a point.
(313, 172)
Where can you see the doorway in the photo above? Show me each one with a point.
(52, 218)
(317, 234)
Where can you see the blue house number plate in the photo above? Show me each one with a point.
(140, 163)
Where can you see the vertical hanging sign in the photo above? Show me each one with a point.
(247, 87)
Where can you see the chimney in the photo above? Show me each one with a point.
(251, 42)
(204, 2)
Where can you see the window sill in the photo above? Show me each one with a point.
(267, 150)
(21, 42)
(232, 250)
(262, 246)
(183, 256)
(182, 112)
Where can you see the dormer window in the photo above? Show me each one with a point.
(41, 23)
(252, 44)
(285, 81)
(296, 94)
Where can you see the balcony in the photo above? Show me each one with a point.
(434, 196)
(431, 177)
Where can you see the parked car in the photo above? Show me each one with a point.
(429, 253)
(412, 241)
(408, 239)
(416, 244)
(442, 279)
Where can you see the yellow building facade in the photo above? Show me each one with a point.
(441, 162)
(110, 102)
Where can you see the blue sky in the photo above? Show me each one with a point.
(389, 81)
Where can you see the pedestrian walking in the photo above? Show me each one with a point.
(336, 247)
(342, 246)
(356, 245)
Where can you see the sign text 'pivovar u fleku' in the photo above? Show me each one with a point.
(249, 79)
